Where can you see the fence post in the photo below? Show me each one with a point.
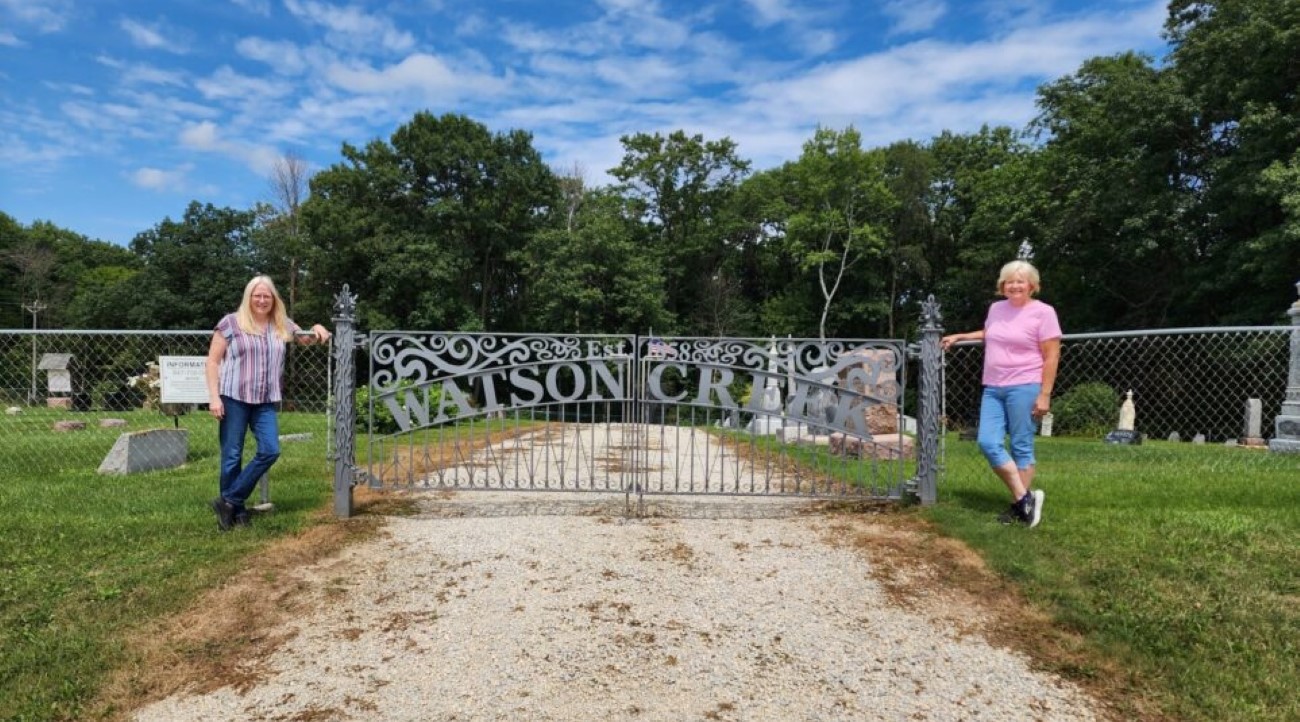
(927, 426)
(1287, 425)
(345, 421)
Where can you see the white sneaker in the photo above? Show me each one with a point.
(1034, 513)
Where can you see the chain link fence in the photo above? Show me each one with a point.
(1187, 384)
(69, 398)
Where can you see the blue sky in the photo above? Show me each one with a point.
(115, 114)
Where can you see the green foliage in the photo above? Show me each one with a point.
(383, 421)
(1088, 409)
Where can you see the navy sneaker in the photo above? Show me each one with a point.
(225, 512)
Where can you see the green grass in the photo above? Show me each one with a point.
(85, 558)
(1181, 562)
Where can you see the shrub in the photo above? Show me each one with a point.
(1088, 409)
(384, 421)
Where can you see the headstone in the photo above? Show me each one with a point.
(295, 437)
(1254, 422)
(1045, 426)
(14, 410)
(1174, 437)
(1127, 413)
(58, 374)
(138, 451)
(1198, 439)
(111, 423)
(1124, 432)
(62, 426)
(1286, 437)
(769, 422)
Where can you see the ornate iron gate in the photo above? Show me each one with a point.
(635, 415)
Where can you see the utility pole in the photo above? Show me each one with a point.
(33, 308)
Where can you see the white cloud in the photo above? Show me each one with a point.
(206, 137)
(283, 56)
(152, 37)
(46, 16)
(157, 179)
(200, 136)
(8, 38)
(772, 12)
(914, 16)
(421, 72)
(351, 27)
(226, 84)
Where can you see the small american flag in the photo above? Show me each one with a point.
(656, 348)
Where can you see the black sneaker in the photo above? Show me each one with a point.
(1010, 516)
(225, 512)
(1033, 509)
(243, 517)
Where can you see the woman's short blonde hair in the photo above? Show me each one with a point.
(1024, 269)
(279, 319)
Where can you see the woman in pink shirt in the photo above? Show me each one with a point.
(1022, 347)
(245, 361)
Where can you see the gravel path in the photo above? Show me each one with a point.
(511, 606)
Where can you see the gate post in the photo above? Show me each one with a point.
(931, 388)
(345, 414)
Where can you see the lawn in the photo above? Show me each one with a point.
(1176, 563)
(1180, 562)
(84, 557)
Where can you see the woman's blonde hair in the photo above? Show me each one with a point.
(1019, 268)
(279, 319)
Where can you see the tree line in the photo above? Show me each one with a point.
(1150, 194)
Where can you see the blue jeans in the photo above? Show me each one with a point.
(1008, 410)
(238, 483)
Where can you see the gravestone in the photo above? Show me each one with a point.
(1286, 438)
(138, 451)
(1254, 422)
(1124, 432)
(58, 375)
(1175, 437)
(1198, 439)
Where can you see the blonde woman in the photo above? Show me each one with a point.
(245, 362)
(1022, 348)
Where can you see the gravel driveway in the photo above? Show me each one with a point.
(513, 606)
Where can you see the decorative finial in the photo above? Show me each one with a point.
(930, 316)
(345, 303)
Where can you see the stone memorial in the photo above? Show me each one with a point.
(58, 374)
(1198, 439)
(1124, 432)
(1286, 437)
(138, 451)
(769, 421)
(1254, 414)
(1175, 437)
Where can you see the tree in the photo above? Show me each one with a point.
(594, 275)
(195, 269)
(1236, 60)
(833, 207)
(428, 228)
(1123, 184)
(285, 242)
(684, 184)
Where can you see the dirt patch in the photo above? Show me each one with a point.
(212, 644)
(944, 579)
